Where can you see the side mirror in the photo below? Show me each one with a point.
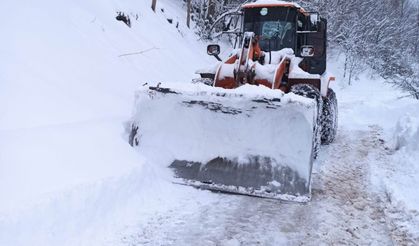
(214, 50)
(307, 51)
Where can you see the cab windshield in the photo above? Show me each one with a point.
(274, 26)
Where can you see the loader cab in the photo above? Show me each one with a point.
(287, 25)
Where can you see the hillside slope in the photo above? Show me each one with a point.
(66, 90)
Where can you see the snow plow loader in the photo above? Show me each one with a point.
(253, 124)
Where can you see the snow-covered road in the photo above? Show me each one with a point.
(344, 209)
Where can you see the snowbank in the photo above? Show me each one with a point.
(402, 181)
(67, 84)
(65, 89)
(406, 135)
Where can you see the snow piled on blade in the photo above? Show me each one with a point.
(198, 123)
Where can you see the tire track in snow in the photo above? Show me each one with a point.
(343, 211)
(349, 213)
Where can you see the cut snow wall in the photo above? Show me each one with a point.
(406, 134)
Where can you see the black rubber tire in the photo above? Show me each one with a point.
(309, 91)
(329, 119)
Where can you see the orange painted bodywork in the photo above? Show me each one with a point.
(263, 82)
(226, 83)
(240, 75)
(231, 60)
(279, 73)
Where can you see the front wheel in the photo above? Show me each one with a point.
(329, 119)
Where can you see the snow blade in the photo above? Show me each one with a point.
(251, 140)
(258, 176)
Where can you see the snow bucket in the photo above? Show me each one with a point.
(251, 140)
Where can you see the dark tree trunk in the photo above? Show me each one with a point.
(188, 17)
(153, 5)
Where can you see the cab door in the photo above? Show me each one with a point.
(318, 39)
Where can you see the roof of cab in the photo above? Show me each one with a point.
(274, 3)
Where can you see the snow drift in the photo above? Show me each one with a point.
(406, 134)
(401, 181)
(65, 91)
